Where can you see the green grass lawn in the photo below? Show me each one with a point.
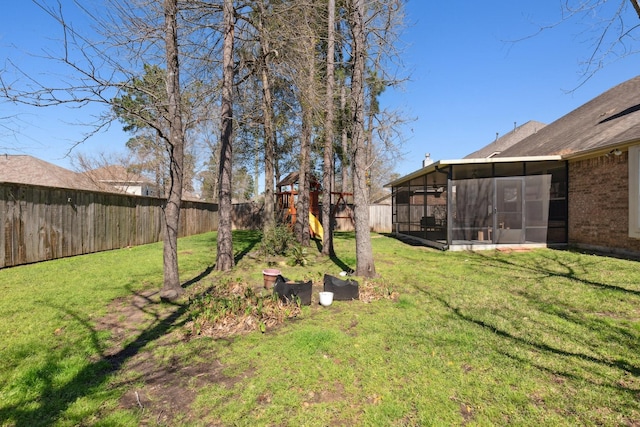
(542, 337)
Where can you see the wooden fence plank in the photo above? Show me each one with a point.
(39, 223)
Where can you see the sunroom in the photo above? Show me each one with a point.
(484, 203)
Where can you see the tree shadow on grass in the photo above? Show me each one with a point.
(199, 277)
(550, 265)
(563, 345)
(53, 398)
(246, 240)
(543, 347)
(568, 271)
(341, 264)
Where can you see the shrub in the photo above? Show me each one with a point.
(299, 255)
(277, 241)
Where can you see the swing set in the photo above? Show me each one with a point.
(287, 197)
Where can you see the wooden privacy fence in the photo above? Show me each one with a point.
(249, 216)
(43, 223)
(380, 218)
(40, 223)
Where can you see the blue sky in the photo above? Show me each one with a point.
(27, 34)
(467, 79)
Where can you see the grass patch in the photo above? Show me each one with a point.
(489, 338)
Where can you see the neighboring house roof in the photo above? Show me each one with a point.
(119, 178)
(23, 169)
(117, 174)
(513, 137)
(610, 119)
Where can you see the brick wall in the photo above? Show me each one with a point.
(599, 205)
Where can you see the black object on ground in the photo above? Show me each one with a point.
(343, 290)
(289, 290)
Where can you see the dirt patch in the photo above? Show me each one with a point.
(335, 393)
(371, 291)
(163, 391)
(466, 410)
(164, 394)
(127, 317)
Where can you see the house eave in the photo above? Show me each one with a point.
(602, 150)
(446, 163)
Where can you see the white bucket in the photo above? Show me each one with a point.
(326, 298)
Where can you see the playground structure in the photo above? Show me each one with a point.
(287, 198)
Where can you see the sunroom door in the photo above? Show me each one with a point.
(509, 209)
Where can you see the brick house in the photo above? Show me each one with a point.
(575, 181)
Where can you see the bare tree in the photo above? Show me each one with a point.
(175, 144)
(612, 31)
(364, 253)
(614, 35)
(344, 137)
(224, 260)
(307, 86)
(267, 111)
(97, 71)
(328, 170)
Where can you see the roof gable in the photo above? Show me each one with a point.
(509, 139)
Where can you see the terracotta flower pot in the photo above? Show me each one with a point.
(270, 275)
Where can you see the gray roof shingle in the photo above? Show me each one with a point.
(23, 169)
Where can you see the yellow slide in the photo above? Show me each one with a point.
(315, 226)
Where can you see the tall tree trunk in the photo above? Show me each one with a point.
(171, 288)
(269, 131)
(327, 176)
(344, 137)
(224, 260)
(302, 207)
(307, 102)
(364, 253)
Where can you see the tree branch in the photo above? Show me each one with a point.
(636, 6)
